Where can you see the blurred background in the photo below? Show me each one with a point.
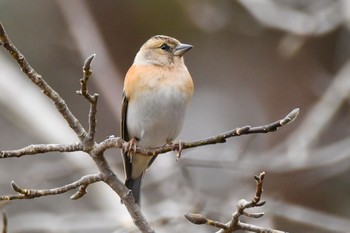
(253, 61)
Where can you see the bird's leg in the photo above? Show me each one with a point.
(178, 147)
(131, 148)
(179, 151)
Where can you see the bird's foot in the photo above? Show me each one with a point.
(131, 148)
(178, 146)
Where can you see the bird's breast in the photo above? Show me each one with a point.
(157, 105)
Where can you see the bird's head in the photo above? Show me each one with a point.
(162, 50)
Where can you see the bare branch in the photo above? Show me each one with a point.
(221, 138)
(200, 219)
(123, 192)
(87, 144)
(89, 34)
(33, 76)
(253, 215)
(92, 99)
(34, 193)
(253, 228)
(41, 148)
(196, 218)
(116, 142)
(234, 224)
(83, 82)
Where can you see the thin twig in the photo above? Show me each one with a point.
(200, 219)
(23, 193)
(90, 35)
(41, 148)
(234, 224)
(92, 99)
(116, 142)
(123, 192)
(84, 81)
(221, 138)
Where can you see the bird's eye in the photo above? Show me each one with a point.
(165, 47)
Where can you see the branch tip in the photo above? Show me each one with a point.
(290, 117)
(260, 178)
(260, 203)
(256, 178)
(253, 215)
(196, 218)
(16, 188)
(88, 61)
(80, 193)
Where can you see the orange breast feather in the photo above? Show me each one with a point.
(141, 78)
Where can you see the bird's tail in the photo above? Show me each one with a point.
(135, 186)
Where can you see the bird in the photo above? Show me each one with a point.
(157, 91)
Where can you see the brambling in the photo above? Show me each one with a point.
(157, 91)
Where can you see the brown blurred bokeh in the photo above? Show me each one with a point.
(253, 61)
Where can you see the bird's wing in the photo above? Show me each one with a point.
(125, 135)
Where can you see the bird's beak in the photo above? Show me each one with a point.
(181, 49)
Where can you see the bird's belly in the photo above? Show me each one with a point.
(156, 117)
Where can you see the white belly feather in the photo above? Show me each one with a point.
(162, 119)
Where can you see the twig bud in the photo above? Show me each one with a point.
(196, 218)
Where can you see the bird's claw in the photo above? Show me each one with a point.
(178, 148)
(131, 148)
